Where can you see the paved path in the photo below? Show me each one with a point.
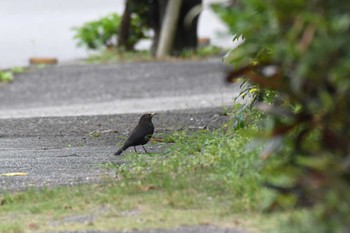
(116, 88)
(72, 150)
(48, 117)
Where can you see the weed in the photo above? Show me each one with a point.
(6, 76)
(95, 134)
(14, 227)
(120, 55)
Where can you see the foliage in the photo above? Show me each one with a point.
(138, 30)
(7, 75)
(102, 33)
(99, 33)
(299, 49)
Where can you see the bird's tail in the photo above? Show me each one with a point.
(120, 151)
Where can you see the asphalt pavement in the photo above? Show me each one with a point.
(59, 125)
(53, 151)
(75, 90)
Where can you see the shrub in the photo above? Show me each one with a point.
(299, 50)
(102, 33)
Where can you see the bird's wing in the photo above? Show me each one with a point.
(135, 136)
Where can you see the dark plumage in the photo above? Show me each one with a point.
(140, 135)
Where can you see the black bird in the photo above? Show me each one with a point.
(140, 135)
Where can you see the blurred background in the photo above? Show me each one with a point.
(44, 28)
(295, 62)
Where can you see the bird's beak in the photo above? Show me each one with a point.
(152, 114)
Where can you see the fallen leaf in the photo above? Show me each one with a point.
(146, 188)
(14, 174)
(33, 226)
(154, 139)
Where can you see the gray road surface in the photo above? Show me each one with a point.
(116, 88)
(66, 151)
(48, 116)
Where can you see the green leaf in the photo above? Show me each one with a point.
(6, 76)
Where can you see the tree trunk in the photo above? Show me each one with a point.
(169, 26)
(124, 28)
(185, 36)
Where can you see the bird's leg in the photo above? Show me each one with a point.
(135, 149)
(145, 149)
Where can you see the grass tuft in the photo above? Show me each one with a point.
(218, 163)
(117, 55)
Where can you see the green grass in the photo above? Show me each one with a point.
(202, 52)
(204, 177)
(115, 55)
(217, 162)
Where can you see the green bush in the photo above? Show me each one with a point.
(299, 50)
(103, 33)
(99, 33)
